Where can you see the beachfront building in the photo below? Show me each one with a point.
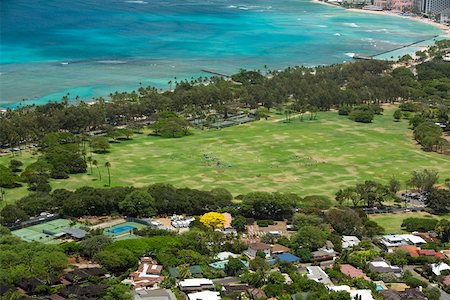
(400, 5)
(432, 7)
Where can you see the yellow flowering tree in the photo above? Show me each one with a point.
(213, 220)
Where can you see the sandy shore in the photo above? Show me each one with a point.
(443, 27)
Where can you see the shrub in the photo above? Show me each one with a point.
(265, 223)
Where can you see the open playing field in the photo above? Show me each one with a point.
(310, 157)
(392, 223)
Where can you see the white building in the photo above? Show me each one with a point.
(196, 284)
(205, 295)
(349, 241)
(438, 268)
(393, 241)
(354, 294)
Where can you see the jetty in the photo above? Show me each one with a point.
(215, 73)
(375, 56)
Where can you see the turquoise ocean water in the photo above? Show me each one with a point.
(90, 48)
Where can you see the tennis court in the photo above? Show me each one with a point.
(30, 235)
(44, 232)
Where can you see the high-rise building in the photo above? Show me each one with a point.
(432, 7)
(401, 5)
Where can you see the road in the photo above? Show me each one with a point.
(444, 295)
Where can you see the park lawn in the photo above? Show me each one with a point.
(392, 223)
(309, 157)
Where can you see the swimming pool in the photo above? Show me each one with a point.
(379, 287)
(121, 229)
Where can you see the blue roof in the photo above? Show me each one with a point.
(287, 257)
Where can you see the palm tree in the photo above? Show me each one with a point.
(95, 163)
(107, 166)
(89, 160)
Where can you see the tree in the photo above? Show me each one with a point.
(394, 185)
(117, 260)
(239, 223)
(99, 144)
(424, 180)
(213, 220)
(118, 292)
(259, 263)
(348, 194)
(170, 125)
(10, 214)
(138, 203)
(91, 246)
(301, 219)
(108, 166)
(14, 165)
(345, 221)
(397, 115)
(95, 163)
(443, 230)
(439, 200)
(362, 116)
(89, 160)
(309, 237)
(398, 258)
(234, 267)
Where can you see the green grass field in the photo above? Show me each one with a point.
(310, 157)
(392, 223)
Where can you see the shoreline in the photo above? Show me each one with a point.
(444, 28)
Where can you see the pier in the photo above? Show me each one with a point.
(415, 44)
(215, 73)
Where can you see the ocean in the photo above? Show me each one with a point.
(91, 48)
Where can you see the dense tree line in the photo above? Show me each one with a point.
(146, 202)
(305, 88)
(21, 260)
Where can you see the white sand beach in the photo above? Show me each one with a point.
(443, 27)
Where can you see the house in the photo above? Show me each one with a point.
(349, 241)
(83, 292)
(255, 247)
(446, 253)
(235, 287)
(354, 294)
(75, 233)
(196, 270)
(225, 255)
(82, 275)
(446, 280)
(153, 294)
(196, 285)
(392, 241)
(438, 268)
(31, 285)
(412, 293)
(4, 288)
(148, 274)
(204, 295)
(415, 251)
(352, 272)
(323, 254)
(382, 267)
(256, 294)
(279, 249)
(317, 274)
(287, 258)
